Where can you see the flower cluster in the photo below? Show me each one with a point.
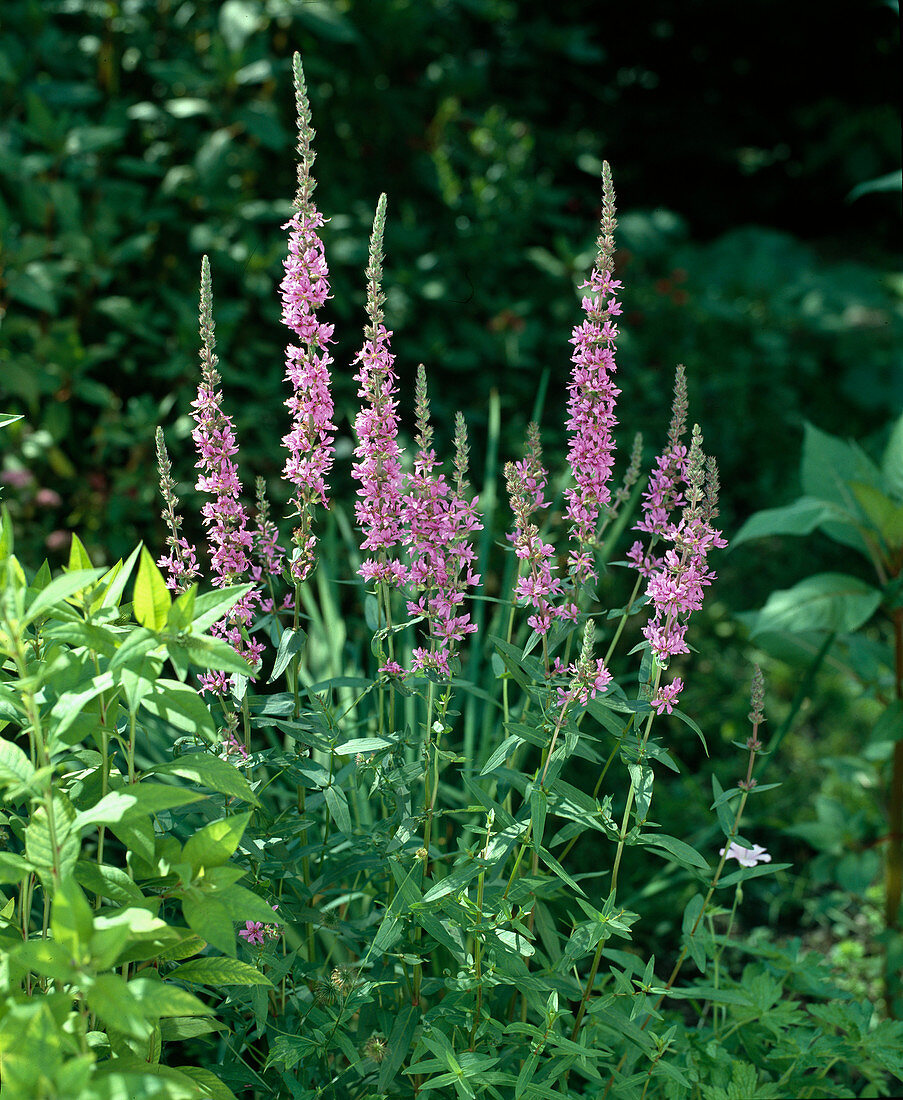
(181, 563)
(304, 289)
(378, 469)
(663, 492)
(269, 556)
(224, 516)
(526, 481)
(676, 589)
(587, 675)
(256, 932)
(592, 397)
(441, 517)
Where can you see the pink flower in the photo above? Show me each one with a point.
(304, 289)
(591, 404)
(676, 588)
(224, 516)
(746, 857)
(253, 932)
(666, 696)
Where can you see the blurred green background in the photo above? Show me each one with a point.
(755, 152)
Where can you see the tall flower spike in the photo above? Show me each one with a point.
(440, 519)
(181, 563)
(268, 554)
(538, 587)
(591, 404)
(304, 288)
(676, 589)
(663, 492)
(378, 469)
(224, 517)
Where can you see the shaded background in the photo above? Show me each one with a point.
(755, 246)
(136, 136)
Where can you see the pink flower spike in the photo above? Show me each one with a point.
(593, 394)
(746, 857)
(304, 288)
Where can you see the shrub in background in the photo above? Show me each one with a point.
(396, 913)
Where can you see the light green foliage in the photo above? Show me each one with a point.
(857, 625)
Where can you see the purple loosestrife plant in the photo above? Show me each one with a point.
(229, 539)
(378, 468)
(664, 490)
(181, 562)
(304, 289)
(441, 517)
(536, 583)
(676, 589)
(592, 396)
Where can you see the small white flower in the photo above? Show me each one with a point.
(747, 857)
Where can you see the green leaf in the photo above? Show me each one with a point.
(212, 1086)
(59, 590)
(208, 918)
(78, 556)
(213, 606)
(290, 644)
(107, 882)
(110, 998)
(215, 653)
(38, 846)
(165, 999)
(892, 462)
(181, 707)
(827, 601)
(215, 971)
(363, 745)
(829, 465)
(882, 511)
(682, 852)
(71, 919)
(398, 1045)
(209, 771)
(152, 599)
(214, 845)
(337, 804)
(16, 770)
(801, 517)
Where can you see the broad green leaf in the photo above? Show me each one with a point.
(215, 971)
(216, 653)
(38, 846)
(213, 606)
(112, 594)
(165, 999)
(883, 513)
(16, 770)
(78, 556)
(243, 904)
(363, 745)
(188, 1027)
(214, 845)
(337, 804)
(108, 882)
(454, 883)
(829, 465)
(827, 601)
(290, 644)
(71, 919)
(58, 591)
(14, 867)
(111, 999)
(152, 599)
(108, 810)
(213, 1087)
(801, 517)
(180, 705)
(398, 1045)
(683, 853)
(892, 462)
(209, 918)
(209, 771)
